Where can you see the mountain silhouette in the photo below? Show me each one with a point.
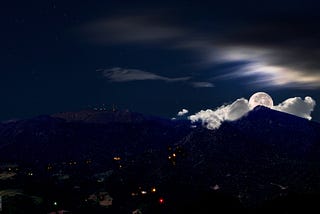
(264, 156)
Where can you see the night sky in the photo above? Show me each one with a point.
(155, 57)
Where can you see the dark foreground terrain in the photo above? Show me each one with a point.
(122, 162)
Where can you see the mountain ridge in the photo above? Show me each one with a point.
(249, 159)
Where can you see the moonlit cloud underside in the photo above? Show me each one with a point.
(276, 54)
(212, 119)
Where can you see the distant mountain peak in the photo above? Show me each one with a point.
(261, 108)
(100, 116)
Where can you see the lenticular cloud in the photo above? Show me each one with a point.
(212, 119)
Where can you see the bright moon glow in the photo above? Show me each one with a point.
(260, 98)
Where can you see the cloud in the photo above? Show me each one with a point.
(183, 112)
(202, 84)
(274, 51)
(284, 53)
(125, 75)
(266, 66)
(297, 106)
(212, 119)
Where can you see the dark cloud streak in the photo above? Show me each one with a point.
(126, 75)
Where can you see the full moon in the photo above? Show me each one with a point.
(260, 98)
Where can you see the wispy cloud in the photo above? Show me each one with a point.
(269, 67)
(125, 75)
(273, 53)
(202, 84)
